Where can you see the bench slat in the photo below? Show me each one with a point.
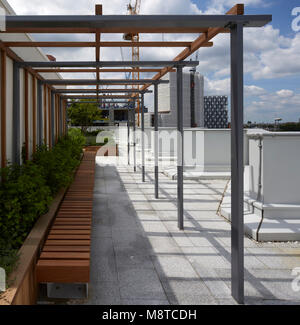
(63, 271)
(65, 255)
(66, 248)
(68, 242)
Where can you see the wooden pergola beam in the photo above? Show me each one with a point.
(98, 44)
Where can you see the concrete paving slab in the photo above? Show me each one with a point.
(174, 266)
(188, 293)
(206, 256)
(140, 283)
(104, 293)
(146, 302)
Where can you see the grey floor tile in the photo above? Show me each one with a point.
(170, 266)
(104, 293)
(145, 302)
(140, 283)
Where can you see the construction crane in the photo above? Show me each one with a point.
(134, 10)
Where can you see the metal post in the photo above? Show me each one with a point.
(143, 139)
(179, 149)
(39, 113)
(156, 138)
(66, 118)
(53, 118)
(134, 138)
(237, 164)
(16, 114)
(60, 117)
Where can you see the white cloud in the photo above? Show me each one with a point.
(280, 61)
(168, 7)
(222, 6)
(285, 93)
(253, 90)
(216, 87)
(110, 7)
(284, 103)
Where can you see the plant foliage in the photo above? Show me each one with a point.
(27, 190)
(84, 114)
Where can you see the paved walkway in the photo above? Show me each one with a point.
(140, 257)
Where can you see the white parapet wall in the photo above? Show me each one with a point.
(272, 187)
(206, 151)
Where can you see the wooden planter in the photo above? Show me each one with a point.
(24, 288)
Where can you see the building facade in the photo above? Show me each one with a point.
(215, 112)
(193, 107)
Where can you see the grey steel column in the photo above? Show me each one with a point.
(39, 113)
(66, 120)
(179, 149)
(134, 138)
(156, 138)
(128, 135)
(16, 115)
(143, 139)
(237, 164)
(60, 117)
(53, 117)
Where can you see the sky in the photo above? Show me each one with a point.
(271, 53)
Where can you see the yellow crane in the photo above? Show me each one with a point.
(134, 9)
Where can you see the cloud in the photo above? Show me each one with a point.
(110, 7)
(216, 87)
(285, 93)
(222, 6)
(284, 103)
(279, 61)
(253, 90)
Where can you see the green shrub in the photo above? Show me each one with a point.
(27, 190)
(76, 136)
(24, 195)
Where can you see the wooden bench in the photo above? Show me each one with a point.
(65, 257)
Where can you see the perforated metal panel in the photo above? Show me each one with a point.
(215, 112)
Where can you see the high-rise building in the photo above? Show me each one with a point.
(192, 100)
(215, 112)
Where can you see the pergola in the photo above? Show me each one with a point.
(208, 26)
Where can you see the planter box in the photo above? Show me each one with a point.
(24, 288)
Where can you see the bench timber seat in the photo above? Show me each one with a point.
(65, 257)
